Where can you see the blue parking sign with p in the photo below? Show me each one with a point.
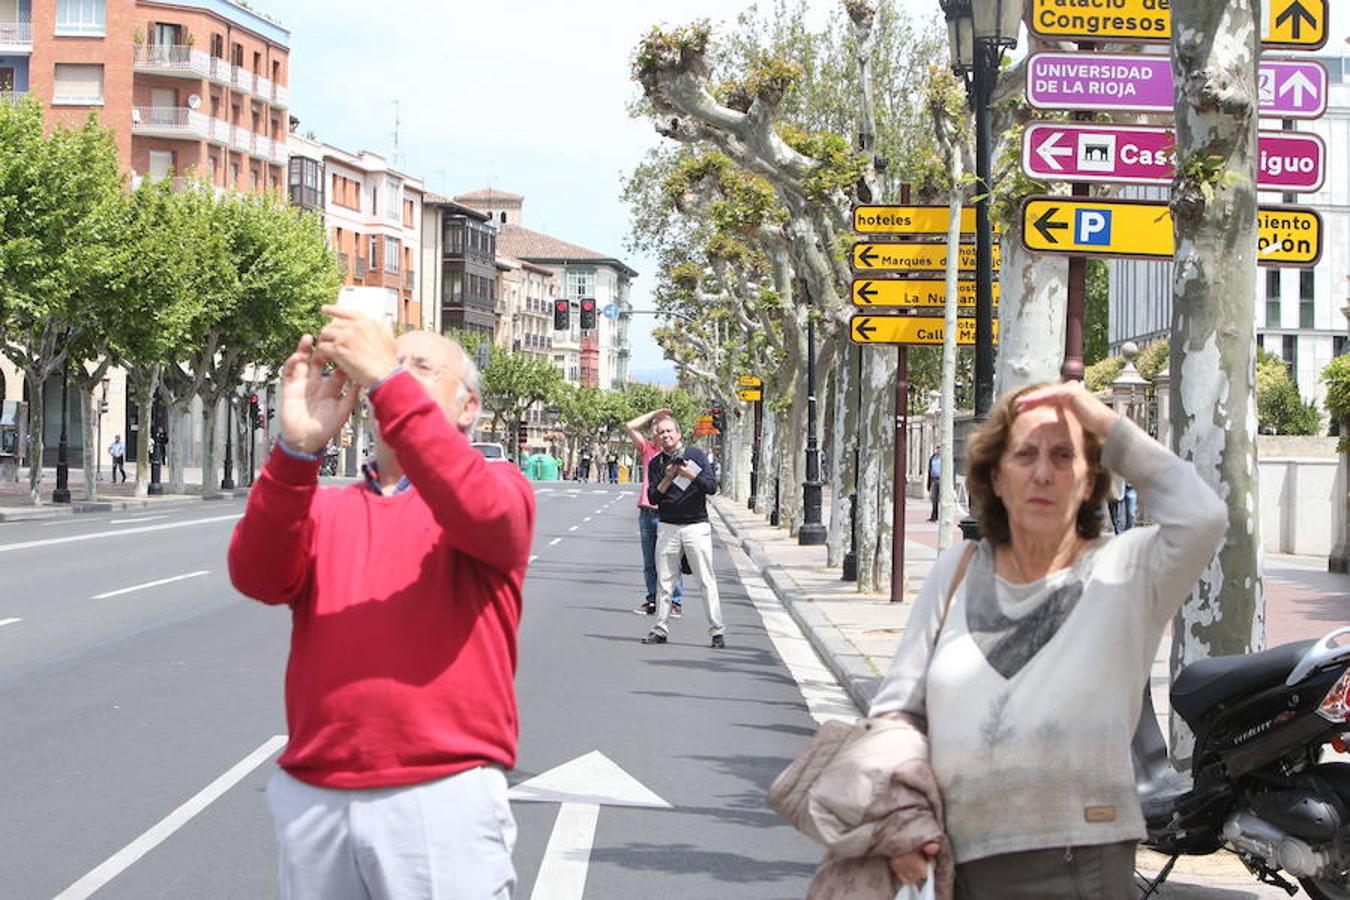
(1092, 227)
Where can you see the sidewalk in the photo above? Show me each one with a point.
(15, 505)
(856, 634)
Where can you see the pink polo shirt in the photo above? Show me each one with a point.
(649, 450)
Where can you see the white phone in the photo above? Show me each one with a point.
(371, 302)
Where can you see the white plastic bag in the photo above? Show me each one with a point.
(925, 891)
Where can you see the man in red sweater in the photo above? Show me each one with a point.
(405, 597)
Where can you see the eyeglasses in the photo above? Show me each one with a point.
(421, 366)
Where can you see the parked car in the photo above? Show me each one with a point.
(491, 452)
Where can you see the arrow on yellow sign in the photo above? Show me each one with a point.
(902, 292)
(921, 331)
(871, 256)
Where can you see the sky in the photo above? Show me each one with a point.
(526, 96)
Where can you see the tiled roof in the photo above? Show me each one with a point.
(489, 195)
(522, 243)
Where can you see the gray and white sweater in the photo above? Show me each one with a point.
(1033, 690)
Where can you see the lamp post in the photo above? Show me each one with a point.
(978, 31)
(812, 532)
(62, 492)
(227, 483)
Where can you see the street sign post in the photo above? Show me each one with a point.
(1286, 88)
(910, 331)
(911, 292)
(1288, 161)
(1293, 24)
(909, 220)
(870, 256)
(1288, 236)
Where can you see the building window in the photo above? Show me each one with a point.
(234, 175)
(454, 237)
(453, 289)
(161, 165)
(580, 283)
(1338, 344)
(305, 180)
(78, 84)
(168, 34)
(1307, 289)
(393, 198)
(374, 253)
(409, 212)
(1272, 298)
(86, 17)
(1290, 348)
(391, 254)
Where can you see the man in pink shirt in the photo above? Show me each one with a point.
(648, 519)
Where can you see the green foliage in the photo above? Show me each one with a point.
(1098, 376)
(663, 48)
(1153, 359)
(1279, 408)
(838, 165)
(1096, 334)
(1207, 173)
(1336, 376)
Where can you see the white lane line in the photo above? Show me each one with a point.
(118, 863)
(573, 528)
(120, 532)
(14, 621)
(554, 541)
(599, 492)
(137, 519)
(150, 584)
(587, 519)
(600, 510)
(533, 557)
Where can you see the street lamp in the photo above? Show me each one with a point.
(62, 492)
(978, 32)
(227, 483)
(812, 532)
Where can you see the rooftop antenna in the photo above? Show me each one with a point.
(397, 162)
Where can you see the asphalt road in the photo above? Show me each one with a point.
(139, 721)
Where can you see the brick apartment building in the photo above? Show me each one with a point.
(373, 214)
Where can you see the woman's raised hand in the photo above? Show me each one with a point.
(1072, 397)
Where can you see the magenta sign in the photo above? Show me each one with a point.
(1061, 151)
(1288, 88)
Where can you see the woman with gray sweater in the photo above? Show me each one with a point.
(1030, 685)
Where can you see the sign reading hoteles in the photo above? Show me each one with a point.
(1286, 236)
(910, 221)
(1288, 161)
(1286, 88)
(920, 331)
(1294, 24)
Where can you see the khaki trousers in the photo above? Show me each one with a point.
(695, 541)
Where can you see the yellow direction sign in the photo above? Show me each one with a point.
(875, 257)
(906, 292)
(749, 395)
(908, 220)
(1288, 235)
(918, 331)
(1297, 24)
(749, 381)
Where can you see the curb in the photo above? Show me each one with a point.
(83, 507)
(845, 663)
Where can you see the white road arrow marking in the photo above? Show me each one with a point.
(14, 621)
(1051, 149)
(582, 786)
(1298, 83)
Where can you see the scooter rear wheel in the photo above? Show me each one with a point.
(1332, 887)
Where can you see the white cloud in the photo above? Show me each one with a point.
(524, 95)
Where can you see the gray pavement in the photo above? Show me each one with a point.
(856, 634)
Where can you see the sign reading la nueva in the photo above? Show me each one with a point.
(1286, 88)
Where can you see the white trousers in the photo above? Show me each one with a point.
(449, 839)
(695, 542)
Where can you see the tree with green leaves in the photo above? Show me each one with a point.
(513, 385)
(1279, 407)
(59, 200)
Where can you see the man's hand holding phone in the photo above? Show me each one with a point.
(359, 345)
(313, 407)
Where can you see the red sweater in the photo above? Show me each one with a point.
(404, 608)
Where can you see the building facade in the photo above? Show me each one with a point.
(373, 215)
(1299, 314)
(595, 358)
(459, 268)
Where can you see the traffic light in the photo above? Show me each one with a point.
(102, 407)
(254, 419)
(587, 313)
(562, 315)
(717, 419)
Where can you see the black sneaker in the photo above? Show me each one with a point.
(719, 642)
(677, 611)
(646, 609)
(654, 637)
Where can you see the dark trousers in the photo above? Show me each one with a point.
(119, 465)
(1093, 872)
(935, 490)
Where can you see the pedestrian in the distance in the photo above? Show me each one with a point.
(935, 481)
(161, 445)
(405, 600)
(584, 467)
(118, 451)
(679, 481)
(649, 518)
(1028, 685)
(613, 464)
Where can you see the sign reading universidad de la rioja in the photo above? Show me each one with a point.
(1294, 24)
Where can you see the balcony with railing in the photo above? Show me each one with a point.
(170, 59)
(16, 37)
(12, 96)
(170, 122)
